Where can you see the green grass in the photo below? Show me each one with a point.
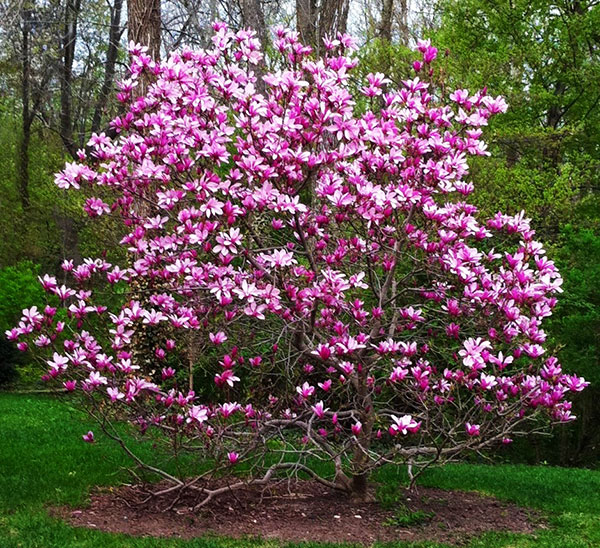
(43, 462)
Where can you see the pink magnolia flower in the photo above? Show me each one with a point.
(472, 429)
(70, 385)
(228, 409)
(227, 377)
(167, 373)
(356, 428)
(403, 425)
(217, 338)
(197, 413)
(319, 410)
(89, 437)
(306, 390)
(325, 385)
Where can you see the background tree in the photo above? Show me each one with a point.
(317, 19)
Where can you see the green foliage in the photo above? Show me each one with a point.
(34, 234)
(576, 323)
(19, 288)
(545, 156)
(390, 497)
(405, 517)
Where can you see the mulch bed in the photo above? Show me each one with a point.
(300, 511)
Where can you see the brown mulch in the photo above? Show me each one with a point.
(302, 511)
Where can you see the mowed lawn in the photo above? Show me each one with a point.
(43, 462)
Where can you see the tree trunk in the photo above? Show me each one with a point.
(306, 21)
(360, 460)
(315, 20)
(552, 147)
(403, 18)
(143, 27)
(385, 24)
(333, 18)
(109, 68)
(360, 487)
(253, 17)
(25, 113)
(69, 39)
(143, 24)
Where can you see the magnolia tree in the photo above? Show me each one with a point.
(318, 251)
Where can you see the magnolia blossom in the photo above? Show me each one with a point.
(319, 410)
(306, 390)
(89, 437)
(472, 429)
(288, 238)
(198, 414)
(403, 425)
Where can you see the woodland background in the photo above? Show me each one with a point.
(60, 59)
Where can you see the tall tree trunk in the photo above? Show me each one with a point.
(143, 27)
(315, 20)
(25, 112)
(143, 24)
(253, 17)
(109, 67)
(306, 21)
(360, 460)
(552, 146)
(333, 18)
(385, 24)
(69, 39)
(403, 20)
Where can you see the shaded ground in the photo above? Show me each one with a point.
(302, 511)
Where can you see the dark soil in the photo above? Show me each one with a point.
(301, 511)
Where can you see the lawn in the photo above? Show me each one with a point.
(44, 462)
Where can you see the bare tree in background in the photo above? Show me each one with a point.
(34, 78)
(396, 14)
(385, 21)
(69, 38)
(56, 55)
(114, 37)
(395, 21)
(144, 23)
(316, 19)
(306, 20)
(189, 22)
(253, 16)
(26, 114)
